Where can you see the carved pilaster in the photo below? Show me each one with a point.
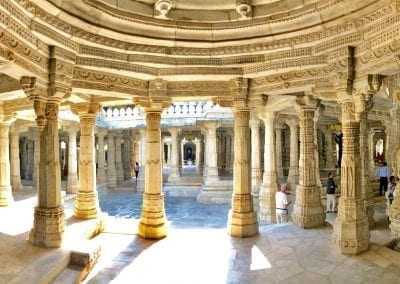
(269, 185)
(152, 219)
(242, 219)
(351, 233)
(307, 210)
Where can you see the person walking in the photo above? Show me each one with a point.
(383, 174)
(330, 194)
(282, 203)
(136, 170)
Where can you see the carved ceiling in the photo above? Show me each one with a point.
(109, 51)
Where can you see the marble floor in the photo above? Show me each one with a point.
(198, 248)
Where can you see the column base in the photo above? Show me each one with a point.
(174, 173)
(267, 212)
(242, 220)
(351, 232)
(101, 176)
(120, 177)
(86, 205)
(112, 183)
(6, 197)
(152, 219)
(308, 211)
(48, 227)
(16, 183)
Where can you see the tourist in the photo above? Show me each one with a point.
(383, 174)
(282, 204)
(136, 170)
(330, 194)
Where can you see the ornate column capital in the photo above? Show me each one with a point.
(254, 123)
(71, 129)
(101, 132)
(86, 108)
(174, 131)
(292, 123)
(211, 125)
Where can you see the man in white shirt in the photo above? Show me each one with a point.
(282, 204)
(383, 174)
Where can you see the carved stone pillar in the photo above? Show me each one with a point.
(24, 157)
(198, 150)
(317, 151)
(87, 202)
(142, 154)
(242, 219)
(293, 176)
(101, 159)
(232, 150)
(169, 157)
(126, 156)
(49, 217)
(6, 197)
(211, 156)
(350, 232)
(367, 190)
(174, 173)
(278, 143)
(269, 185)
(371, 145)
(118, 158)
(307, 210)
(15, 162)
(205, 153)
(36, 155)
(329, 150)
(111, 170)
(72, 182)
(133, 143)
(228, 143)
(152, 220)
(255, 160)
(30, 158)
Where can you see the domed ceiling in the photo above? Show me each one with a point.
(208, 20)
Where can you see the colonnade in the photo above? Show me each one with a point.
(146, 146)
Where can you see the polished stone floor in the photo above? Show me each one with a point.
(198, 248)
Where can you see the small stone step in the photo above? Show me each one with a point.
(45, 268)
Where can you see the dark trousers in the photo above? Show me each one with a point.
(383, 184)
